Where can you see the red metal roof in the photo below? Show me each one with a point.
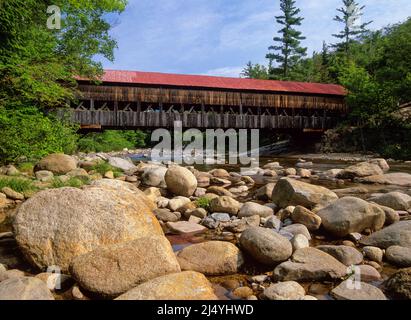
(181, 80)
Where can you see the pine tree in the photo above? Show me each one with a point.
(288, 51)
(255, 71)
(351, 14)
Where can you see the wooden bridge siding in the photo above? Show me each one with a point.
(132, 119)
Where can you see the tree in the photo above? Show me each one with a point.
(350, 17)
(288, 51)
(255, 71)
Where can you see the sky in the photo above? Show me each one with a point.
(219, 37)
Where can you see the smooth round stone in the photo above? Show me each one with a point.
(221, 217)
(299, 242)
(288, 290)
(243, 292)
(373, 253)
(369, 273)
(399, 256)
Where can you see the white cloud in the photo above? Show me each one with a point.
(233, 72)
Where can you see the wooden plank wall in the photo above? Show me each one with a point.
(211, 97)
(132, 119)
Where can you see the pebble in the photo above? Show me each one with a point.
(243, 292)
(373, 253)
(299, 241)
(221, 217)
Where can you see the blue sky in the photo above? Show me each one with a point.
(218, 37)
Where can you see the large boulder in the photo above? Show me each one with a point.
(396, 178)
(348, 291)
(24, 288)
(188, 285)
(55, 226)
(57, 163)
(122, 164)
(180, 181)
(112, 270)
(359, 170)
(394, 200)
(310, 264)
(398, 234)
(211, 258)
(265, 245)
(345, 254)
(350, 214)
(290, 192)
(399, 284)
(250, 209)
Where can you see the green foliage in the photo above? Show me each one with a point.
(111, 140)
(73, 182)
(17, 184)
(288, 51)
(203, 202)
(104, 167)
(255, 71)
(30, 134)
(350, 15)
(26, 167)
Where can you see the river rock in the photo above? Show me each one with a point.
(180, 181)
(220, 191)
(391, 216)
(24, 288)
(112, 270)
(11, 194)
(369, 273)
(265, 193)
(225, 204)
(250, 209)
(54, 226)
(44, 175)
(346, 255)
(399, 284)
(154, 177)
(399, 256)
(346, 291)
(394, 200)
(292, 192)
(56, 163)
(197, 212)
(186, 285)
(273, 223)
(178, 202)
(211, 258)
(373, 253)
(350, 214)
(397, 178)
(243, 292)
(304, 173)
(306, 217)
(288, 290)
(219, 173)
(166, 215)
(398, 234)
(122, 164)
(290, 172)
(299, 242)
(382, 163)
(295, 229)
(310, 264)
(265, 245)
(184, 227)
(359, 170)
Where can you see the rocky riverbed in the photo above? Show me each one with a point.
(300, 228)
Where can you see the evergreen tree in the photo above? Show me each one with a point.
(351, 14)
(288, 51)
(255, 71)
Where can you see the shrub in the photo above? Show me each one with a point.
(111, 140)
(103, 167)
(30, 134)
(17, 184)
(204, 203)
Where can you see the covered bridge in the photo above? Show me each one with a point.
(132, 99)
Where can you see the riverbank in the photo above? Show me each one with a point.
(287, 230)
